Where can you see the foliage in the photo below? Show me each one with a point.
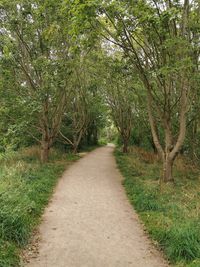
(159, 40)
(73, 73)
(44, 78)
(119, 89)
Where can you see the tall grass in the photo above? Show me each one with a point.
(25, 188)
(171, 216)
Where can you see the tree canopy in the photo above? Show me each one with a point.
(70, 67)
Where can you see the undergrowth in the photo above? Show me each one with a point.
(25, 188)
(172, 214)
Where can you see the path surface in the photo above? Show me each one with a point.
(90, 223)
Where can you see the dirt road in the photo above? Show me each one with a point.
(90, 223)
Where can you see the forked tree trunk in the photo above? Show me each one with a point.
(169, 153)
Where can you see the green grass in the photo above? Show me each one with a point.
(171, 215)
(25, 188)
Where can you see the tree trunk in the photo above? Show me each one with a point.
(194, 138)
(152, 144)
(77, 140)
(167, 170)
(125, 145)
(75, 148)
(44, 152)
(89, 135)
(95, 136)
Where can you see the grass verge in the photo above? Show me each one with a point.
(171, 216)
(25, 188)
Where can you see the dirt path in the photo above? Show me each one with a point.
(90, 223)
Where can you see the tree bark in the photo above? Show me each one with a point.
(95, 136)
(77, 140)
(125, 149)
(75, 149)
(45, 148)
(125, 145)
(153, 126)
(167, 170)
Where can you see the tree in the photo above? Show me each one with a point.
(119, 95)
(157, 38)
(85, 110)
(37, 53)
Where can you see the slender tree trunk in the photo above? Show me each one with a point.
(125, 148)
(153, 126)
(89, 135)
(75, 149)
(125, 145)
(46, 144)
(167, 170)
(45, 148)
(75, 144)
(152, 144)
(95, 136)
(77, 140)
(194, 138)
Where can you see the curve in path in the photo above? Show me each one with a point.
(90, 223)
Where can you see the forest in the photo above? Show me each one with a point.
(78, 74)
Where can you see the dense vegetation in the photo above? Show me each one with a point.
(75, 73)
